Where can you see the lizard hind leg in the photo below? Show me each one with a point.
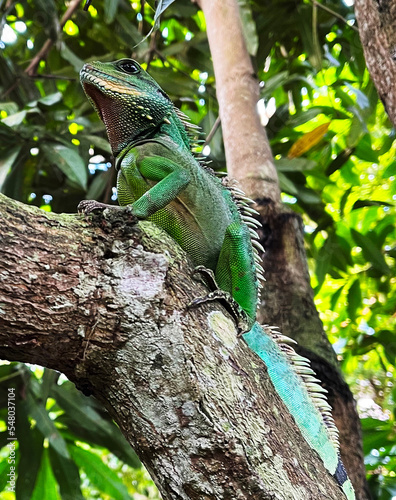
(226, 298)
(234, 280)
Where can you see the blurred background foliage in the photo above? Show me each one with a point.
(335, 151)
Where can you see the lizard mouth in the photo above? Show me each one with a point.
(105, 83)
(103, 89)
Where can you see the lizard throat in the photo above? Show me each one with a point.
(119, 113)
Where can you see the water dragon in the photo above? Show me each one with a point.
(161, 180)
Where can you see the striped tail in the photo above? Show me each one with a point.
(297, 386)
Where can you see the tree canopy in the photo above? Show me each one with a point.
(334, 150)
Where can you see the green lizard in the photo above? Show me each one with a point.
(160, 180)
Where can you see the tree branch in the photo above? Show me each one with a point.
(287, 297)
(43, 52)
(377, 22)
(105, 303)
(238, 92)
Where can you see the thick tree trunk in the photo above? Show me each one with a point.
(287, 298)
(105, 303)
(377, 30)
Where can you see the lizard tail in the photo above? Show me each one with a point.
(295, 382)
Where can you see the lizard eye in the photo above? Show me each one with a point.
(129, 66)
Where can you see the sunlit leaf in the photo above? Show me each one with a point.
(45, 487)
(7, 163)
(308, 141)
(372, 253)
(99, 474)
(248, 26)
(67, 476)
(354, 299)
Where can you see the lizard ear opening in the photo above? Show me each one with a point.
(128, 66)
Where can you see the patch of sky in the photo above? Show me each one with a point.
(98, 163)
(206, 150)
(286, 198)
(20, 26)
(47, 198)
(8, 35)
(364, 327)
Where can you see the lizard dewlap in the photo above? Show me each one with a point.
(161, 180)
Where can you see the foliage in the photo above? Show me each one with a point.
(63, 439)
(334, 147)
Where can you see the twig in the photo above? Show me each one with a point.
(334, 13)
(212, 132)
(43, 52)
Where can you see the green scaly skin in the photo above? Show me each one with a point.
(160, 180)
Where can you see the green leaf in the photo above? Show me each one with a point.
(364, 151)
(371, 252)
(390, 170)
(97, 141)
(4, 470)
(99, 474)
(45, 487)
(354, 299)
(51, 99)
(110, 11)
(287, 185)
(9, 107)
(7, 162)
(335, 298)
(15, 119)
(87, 424)
(323, 259)
(69, 161)
(67, 476)
(388, 340)
(294, 164)
(274, 82)
(309, 114)
(370, 203)
(46, 426)
(248, 26)
(29, 461)
(30, 452)
(339, 161)
(71, 57)
(98, 186)
(361, 98)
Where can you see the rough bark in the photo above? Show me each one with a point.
(377, 30)
(104, 302)
(287, 298)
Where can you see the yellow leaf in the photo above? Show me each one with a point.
(308, 140)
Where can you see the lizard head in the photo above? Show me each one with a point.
(129, 102)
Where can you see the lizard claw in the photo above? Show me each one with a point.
(207, 276)
(88, 206)
(216, 293)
